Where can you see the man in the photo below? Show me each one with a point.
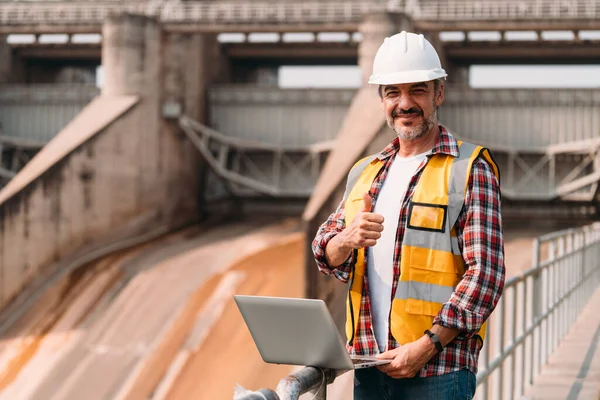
(419, 236)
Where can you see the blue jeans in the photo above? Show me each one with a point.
(372, 384)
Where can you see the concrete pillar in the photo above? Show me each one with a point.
(191, 64)
(6, 60)
(458, 75)
(124, 53)
(132, 63)
(374, 29)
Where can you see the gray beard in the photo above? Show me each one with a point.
(414, 132)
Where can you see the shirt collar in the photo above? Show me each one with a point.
(446, 144)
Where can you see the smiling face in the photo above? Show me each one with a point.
(411, 108)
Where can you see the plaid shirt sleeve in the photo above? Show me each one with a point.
(334, 225)
(482, 244)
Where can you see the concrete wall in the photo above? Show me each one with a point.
(137, 173)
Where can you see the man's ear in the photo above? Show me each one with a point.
(440, 96)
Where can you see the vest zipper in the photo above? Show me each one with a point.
(351, 340)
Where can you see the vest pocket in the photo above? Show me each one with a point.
(422, 307)
(421, 258)
(420, 298)
(427, 217)
(429, 279)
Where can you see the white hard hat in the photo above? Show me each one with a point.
(406, 58)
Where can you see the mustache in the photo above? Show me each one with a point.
(410, 111)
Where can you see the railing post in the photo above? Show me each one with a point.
(573, 288)
(509, 389)
(520, 377)
(309, 379)
(581, 271)
(595, 257)
(485, 358)
(262, 394)
(544, 308)
(498, 338)
(564, 266)
(550, 293)
(531, 310)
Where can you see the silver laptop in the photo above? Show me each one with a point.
(298, 332)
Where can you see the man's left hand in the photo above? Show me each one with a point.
(408, 359)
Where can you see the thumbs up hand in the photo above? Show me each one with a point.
(367, 203)
(366, 227)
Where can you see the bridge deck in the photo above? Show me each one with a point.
(573, 371)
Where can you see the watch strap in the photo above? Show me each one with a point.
(435, 339)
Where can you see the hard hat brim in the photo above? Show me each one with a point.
(397, 78)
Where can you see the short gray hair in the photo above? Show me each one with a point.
(436, 86)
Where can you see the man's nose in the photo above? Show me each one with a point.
(405, 102)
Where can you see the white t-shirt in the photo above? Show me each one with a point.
(380, 258)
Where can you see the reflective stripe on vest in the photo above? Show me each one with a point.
(424, 291)
(431, 261)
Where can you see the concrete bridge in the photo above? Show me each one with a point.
(287, 16)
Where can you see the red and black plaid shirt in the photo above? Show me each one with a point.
(479, 229)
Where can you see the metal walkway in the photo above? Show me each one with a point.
(573, 371)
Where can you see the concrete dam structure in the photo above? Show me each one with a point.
(131, 213)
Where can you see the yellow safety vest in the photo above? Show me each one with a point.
(432, 265)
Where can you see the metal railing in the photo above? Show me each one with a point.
(533, 315)
(277, 12)
(494, 10)
(537, 310)
(307, 380)
(81, 13)
(210, 12)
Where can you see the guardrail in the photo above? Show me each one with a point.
(533, 315)
(78, 13)
(537, 309)
(478, 10)
(231, 13)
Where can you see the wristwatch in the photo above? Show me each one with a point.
(435, 339)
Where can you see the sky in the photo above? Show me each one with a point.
(480, 76)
